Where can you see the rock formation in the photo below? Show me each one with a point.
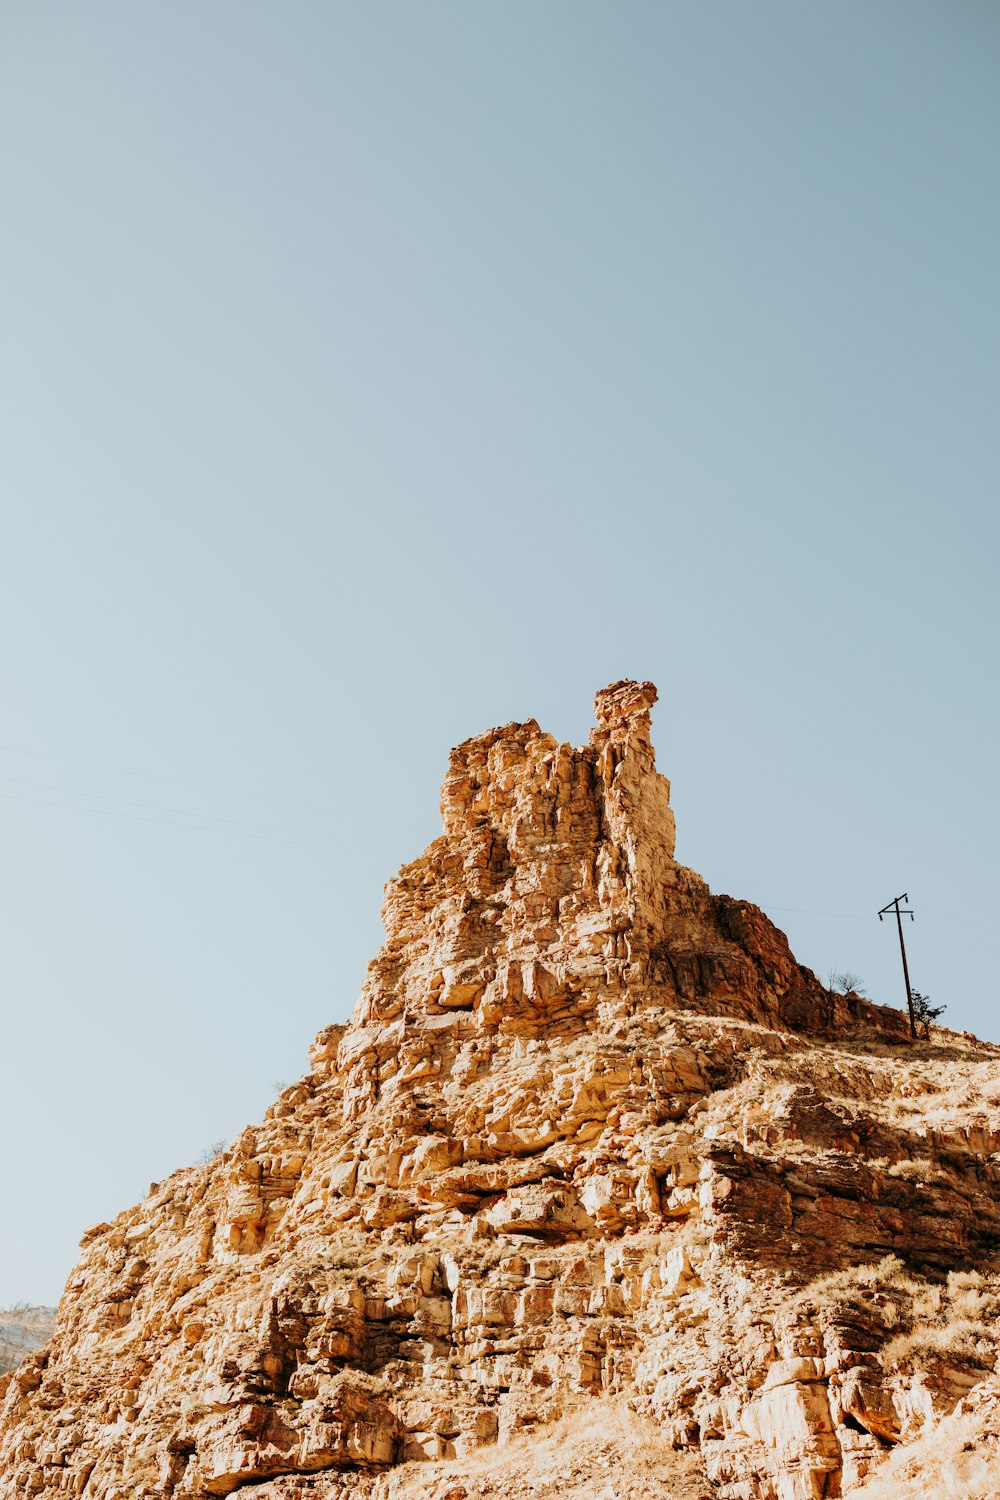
(595, 1163)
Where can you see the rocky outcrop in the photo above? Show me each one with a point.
(593, 1142)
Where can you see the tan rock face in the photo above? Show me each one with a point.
(593, 1139)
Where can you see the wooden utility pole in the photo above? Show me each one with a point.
(900, 914)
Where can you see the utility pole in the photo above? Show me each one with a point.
(900, 914)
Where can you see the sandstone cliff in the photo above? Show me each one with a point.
(598, 1194)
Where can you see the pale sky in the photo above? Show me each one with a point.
(376, 374)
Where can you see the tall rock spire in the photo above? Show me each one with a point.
(554, 890)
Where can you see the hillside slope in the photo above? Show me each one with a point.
(597, 1163)
(23, 1329)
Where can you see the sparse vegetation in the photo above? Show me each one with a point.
(846, 982)
(569, 1456)
(920, 1170)
(953, 1322)
(211, 1153)
(957, 1322)
(843, 1287)
(924, 1013)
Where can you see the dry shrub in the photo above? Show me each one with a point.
(956, 1323)
(920, 1170)
(953, 1324)
(858, 1283)
(960, 1341)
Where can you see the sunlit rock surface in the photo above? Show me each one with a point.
(597, 1163)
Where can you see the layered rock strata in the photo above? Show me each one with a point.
(592, 1142)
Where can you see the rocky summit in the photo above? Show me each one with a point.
(600, 1194)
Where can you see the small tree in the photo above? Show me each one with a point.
(924, 1012)
(211, 1153)
(841, 982)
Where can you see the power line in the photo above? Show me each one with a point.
(957, 940)
(810, 911)
(963, 922)
(69, 791)
(303, 841)
(938, 934)
(271, 833)
(96, 765)
(744, 881)
(811, 890)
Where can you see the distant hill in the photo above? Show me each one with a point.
(22, 1329)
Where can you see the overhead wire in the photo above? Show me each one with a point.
(810, 890)
(963, 922)
(811, 911)
(957, 940)
(939, 934)
(303, 840)
(96, 765)
(750, 881)
(182, 812)
(274, 834)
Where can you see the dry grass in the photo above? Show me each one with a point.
(920, 1170)
(600, 1452)
(930, 1327)
(927, 1323)
(845, 1288)
(944, 1094)
(953, 1323)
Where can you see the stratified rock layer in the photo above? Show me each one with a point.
(594, 1143)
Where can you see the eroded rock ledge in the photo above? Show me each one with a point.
(592, 1140)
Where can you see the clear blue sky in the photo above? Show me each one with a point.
(373, 374)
